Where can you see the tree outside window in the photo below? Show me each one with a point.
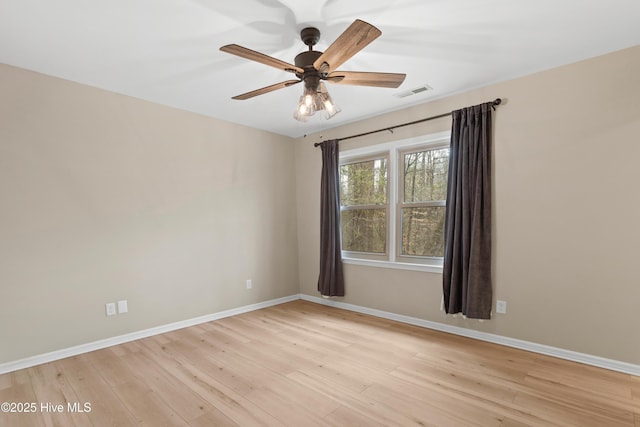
(422, 208)
(363, 196)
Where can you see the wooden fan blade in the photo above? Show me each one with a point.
(351, 41)
(252, 55)
(360, 78)
(266, 89)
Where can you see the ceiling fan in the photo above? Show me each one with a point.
(312, 67)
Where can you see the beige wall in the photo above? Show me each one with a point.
(105, 197)
(566, 209)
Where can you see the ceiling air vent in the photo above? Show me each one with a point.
(413, 91)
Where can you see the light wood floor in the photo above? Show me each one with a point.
(303, 364)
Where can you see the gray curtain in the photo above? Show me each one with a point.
(331, 280)
(467, 257)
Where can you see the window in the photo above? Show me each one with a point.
(393, 203)
(423, 193)
(364, 206)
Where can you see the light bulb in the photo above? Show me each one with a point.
(308, 100)
(328, 106)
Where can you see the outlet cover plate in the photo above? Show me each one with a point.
(501, 307)
(122, 306)
(110, 309)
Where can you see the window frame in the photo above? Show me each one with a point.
(370, 255)
(394, 151)
(401, 203)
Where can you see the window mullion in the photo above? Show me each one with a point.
(361, 207)
(392, 203)
(425, 204)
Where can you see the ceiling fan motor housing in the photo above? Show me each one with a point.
(305, 61)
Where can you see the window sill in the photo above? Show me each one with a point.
(394, 265)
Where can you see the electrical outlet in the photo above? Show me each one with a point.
(249, 284)
(110, 308)
(122, 306)
(501, 307)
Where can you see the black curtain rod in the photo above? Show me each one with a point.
(495, 102)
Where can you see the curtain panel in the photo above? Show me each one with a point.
(331, 279)
(467, 259)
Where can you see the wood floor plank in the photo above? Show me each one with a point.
(5, 382)
(509, 422)
(15, 415)
(234, 370)
(315, 402)
(446, 392)
(583, 377)
(316, 344)
(426, 411)
(305, 364)
(147, 407)
(90, 386)
(219, 335)
(177, 395)
(559, 412)
(454, 382)
(230, 403)
(111, 366)
(18, 377)
(280, 407)
(362, 406)
(345, 416)
(635, 389)
(331, 373)
(617, 401)
(164, 352)
(54, 398)
(106, 407)
(276, 359)
(214, 417)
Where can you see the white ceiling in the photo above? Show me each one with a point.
(166, 51)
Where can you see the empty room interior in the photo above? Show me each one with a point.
(172, 251)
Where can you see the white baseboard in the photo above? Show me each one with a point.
(627, 368)
(121, 339)
(614, 365)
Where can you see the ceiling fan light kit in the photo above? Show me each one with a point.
(312, 67)
(315, 98)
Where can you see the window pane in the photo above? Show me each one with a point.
(425, 175)
(423, 231)
(363, 183)
(364, 230)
